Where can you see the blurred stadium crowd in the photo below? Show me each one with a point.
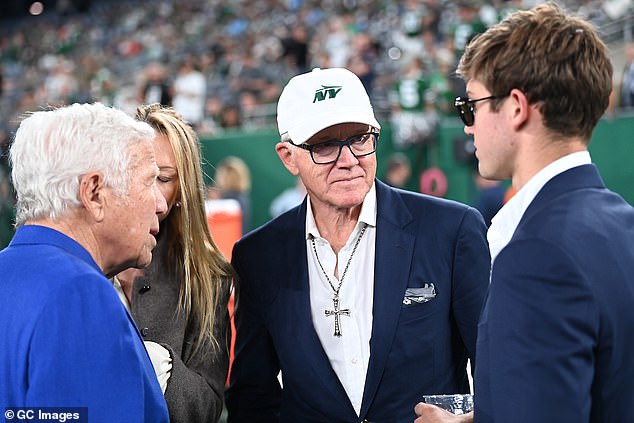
(222, 64)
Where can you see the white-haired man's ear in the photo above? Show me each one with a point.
(92, 195)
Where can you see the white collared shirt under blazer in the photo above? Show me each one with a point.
(349, 354)
(505, 222)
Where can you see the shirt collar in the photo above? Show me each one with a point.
(367, 214)
(505, 222)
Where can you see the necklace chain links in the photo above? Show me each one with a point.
(337, 311)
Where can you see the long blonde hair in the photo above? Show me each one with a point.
(191, 246)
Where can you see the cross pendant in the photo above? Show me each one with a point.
(337, 312)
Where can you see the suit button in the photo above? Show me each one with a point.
(144, 289)
(145, 332)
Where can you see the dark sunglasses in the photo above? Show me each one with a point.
(465, 107)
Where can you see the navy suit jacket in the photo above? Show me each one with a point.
(67, 341)
(556, 337)
(414, 350)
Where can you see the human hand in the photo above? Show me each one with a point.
(428, 413)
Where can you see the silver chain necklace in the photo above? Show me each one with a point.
(337, 312)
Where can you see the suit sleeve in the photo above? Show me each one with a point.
(254, 391)
(539, 336)
(470, 278)
(85, 352)
(196, 386)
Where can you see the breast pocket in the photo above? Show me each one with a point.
(419, 295)
(418, 302)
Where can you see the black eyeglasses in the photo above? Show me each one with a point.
(466, 110)
(329, 151)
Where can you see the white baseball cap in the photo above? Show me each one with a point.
(319, 99)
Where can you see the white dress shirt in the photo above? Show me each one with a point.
(349, 354)
(505, 222)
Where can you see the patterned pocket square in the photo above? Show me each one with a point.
(415, 296)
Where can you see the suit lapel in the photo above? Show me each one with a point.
(393, 258)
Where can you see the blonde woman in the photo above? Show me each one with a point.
(179, 302)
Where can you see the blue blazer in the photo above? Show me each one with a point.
(415, 349)
(67, 340)
(556, 338)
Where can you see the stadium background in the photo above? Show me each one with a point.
(110, 50)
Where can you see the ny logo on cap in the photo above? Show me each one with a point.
(329, 91)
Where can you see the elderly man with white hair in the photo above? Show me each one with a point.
(365, 297)
(87, 205)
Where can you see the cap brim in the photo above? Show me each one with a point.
(305, 129)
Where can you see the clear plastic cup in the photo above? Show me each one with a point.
(454, 403)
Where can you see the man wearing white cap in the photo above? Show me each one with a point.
(365, 297)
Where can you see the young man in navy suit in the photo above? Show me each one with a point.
(555, 337)
(365, 297)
